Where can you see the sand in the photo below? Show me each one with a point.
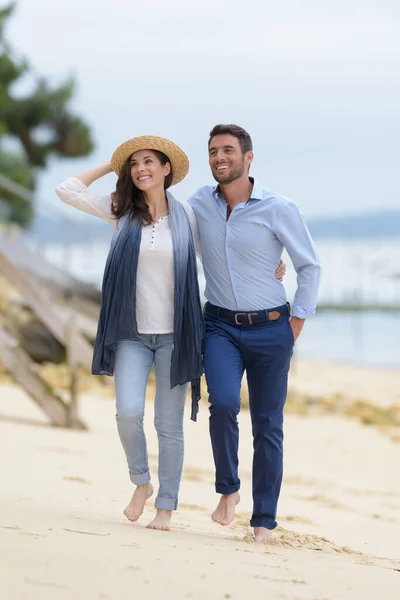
(381, 386)
(63, 535)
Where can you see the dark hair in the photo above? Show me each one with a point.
(129, 200)
(238, 132)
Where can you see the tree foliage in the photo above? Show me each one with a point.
(41, 121)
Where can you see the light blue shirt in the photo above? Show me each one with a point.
(241, 254)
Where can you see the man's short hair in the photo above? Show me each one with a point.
(238, 132)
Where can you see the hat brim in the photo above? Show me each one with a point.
(179, 160)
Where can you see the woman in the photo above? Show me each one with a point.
(150, 310)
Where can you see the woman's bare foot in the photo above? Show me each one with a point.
(136, 505)
(262, 534)
(162, 521)
(225, 511)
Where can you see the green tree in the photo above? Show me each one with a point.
(41, 121)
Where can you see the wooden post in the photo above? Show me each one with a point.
(71, 341)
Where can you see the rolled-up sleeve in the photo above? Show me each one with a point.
(75, 193)
(292, 232)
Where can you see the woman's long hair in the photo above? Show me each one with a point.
(129, 200)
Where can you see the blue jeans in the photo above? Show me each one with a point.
(133, 361)
(264, 351)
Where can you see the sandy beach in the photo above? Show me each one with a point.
(63, 535)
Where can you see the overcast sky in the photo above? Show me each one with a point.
(316, 84)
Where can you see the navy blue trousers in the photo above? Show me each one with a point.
(264, 352)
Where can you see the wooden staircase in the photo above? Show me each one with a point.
(24, 372)
(66, 328)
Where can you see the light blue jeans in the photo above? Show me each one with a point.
(133, 361)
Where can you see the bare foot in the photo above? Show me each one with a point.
(262, 534)
(136, 505)
(162, 520)
(225, 511)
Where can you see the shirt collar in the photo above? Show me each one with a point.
(256, 193)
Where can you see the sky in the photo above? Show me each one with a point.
(316, 84)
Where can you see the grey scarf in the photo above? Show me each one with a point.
(117, 319)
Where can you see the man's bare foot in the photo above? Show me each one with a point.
(262, 534)
(162, 521)
(225, 511)
(136, 505)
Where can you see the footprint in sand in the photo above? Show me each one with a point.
(193, 507)
(329, 502)
(243, 520)
(192, 474)
(296, 519)
(291, 539)
(383, 493)
(385, 518)
(77, 479)
(297, 480)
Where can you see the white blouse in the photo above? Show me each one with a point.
(155, 275)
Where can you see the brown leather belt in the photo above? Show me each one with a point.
(245, 319)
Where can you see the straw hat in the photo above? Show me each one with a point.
(179, 160)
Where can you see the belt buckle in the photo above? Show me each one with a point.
(236, 316)
(248, 315)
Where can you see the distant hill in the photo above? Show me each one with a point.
(377, 224)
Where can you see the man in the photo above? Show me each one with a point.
(243, 230)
